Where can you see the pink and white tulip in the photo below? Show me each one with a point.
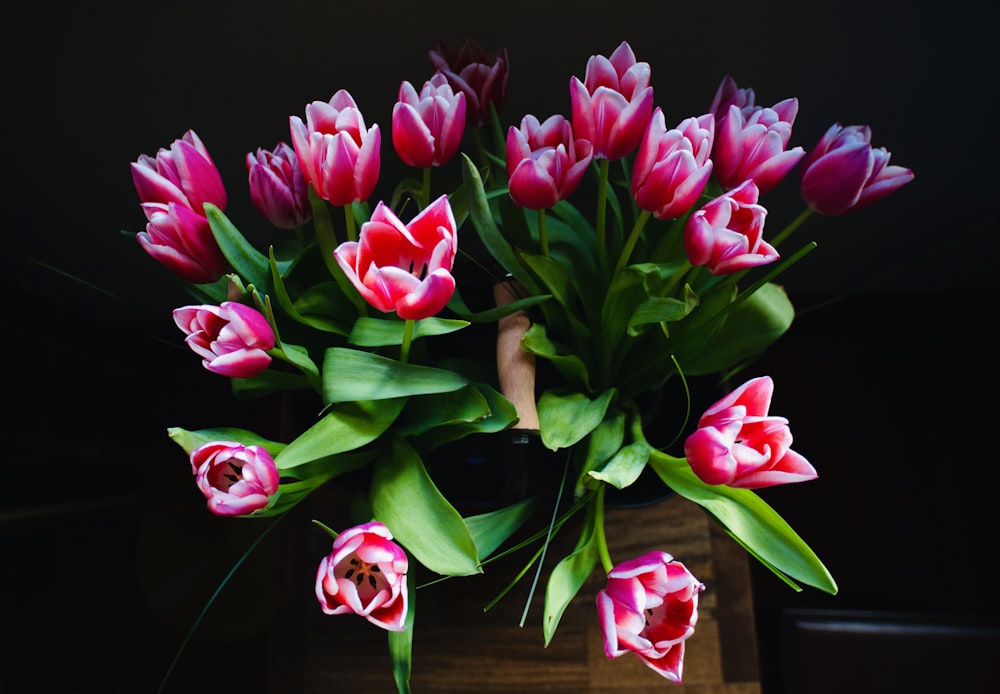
(545, 162)
(232, 339)
(751, 142)
(277, 188)
(727, 234)
(672, 166)
(650, 607)
(427, 127)
(482, 77)
(339, 155)
(404, 268)
(613, 104)
(845, 173)
(174, 187)
(365, 574)
(236, 479)
(738, 444)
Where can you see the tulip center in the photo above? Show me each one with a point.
(366, 576)
(226, 476)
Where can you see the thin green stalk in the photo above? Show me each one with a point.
(425, 192)
(404, 348)
(602, 213)
(543, 237)
(682, 271)
(795, 224)
(602, 540)
(633, 239)
(352, 226)
(545, 545)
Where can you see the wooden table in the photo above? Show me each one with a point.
(458, 648)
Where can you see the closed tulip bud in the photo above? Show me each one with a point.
(232, 339)
(727, 234)
(751, 144)
(845, 173)
(545, 163)
(738, 444)
(404, 268)
(365, 574)
(277, 188)
(236, 479)
(477, 74)
(339, 155)
(427, 127)
(174, 187)
(672, 166)
(650, 607)
(613, 104)
(729, 94)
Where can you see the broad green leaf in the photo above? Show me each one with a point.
(626, 466)
(350, 374)
(379, 332)
(564, 419)
(750, 521)
(490, 530)
(570, 366)
(404, 497)
(491, 315)
(250, 263)
(484, 411)
(749, 329)
(602, 443)
(569, 575)
(267, 382)
(190, 440)
(345, 427)
(303, 310)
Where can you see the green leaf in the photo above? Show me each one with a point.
(482, 220)
(491, 315)
(345, 427)
(490, 530)
(750, 521)
(564, 419)
(401, 647)
(602, 443)
(190, 440)
(379, 332)
(250, 263)
(570, 366)
(350, 374)
(404, 497)
(569, 575)
(308, 310)
(750, 328)
(626, 465)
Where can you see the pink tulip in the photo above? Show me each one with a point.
(844, 172)
(174, 187)
(739, 445)
(729, 94)
(650, 607)
(277, 188)
(427, 127)
(477, 74)
(545, 163)
(672, 166)
(614, 103)
(339, 156)
(236, 479)
(726, 234)
(232, 338)
(404, 268)
(365, 574)
(751, 141)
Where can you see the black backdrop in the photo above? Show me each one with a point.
(888, 390)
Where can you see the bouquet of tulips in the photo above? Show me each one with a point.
(661, 271)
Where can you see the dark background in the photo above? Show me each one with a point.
(889, 389)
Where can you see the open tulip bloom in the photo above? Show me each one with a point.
(639, 259)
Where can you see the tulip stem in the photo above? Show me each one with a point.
(633, 239)
(404, 347)
(795, 224)
(543, 236)
(352, 226)
(602, 540)
(425, 191)
(602, 211)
